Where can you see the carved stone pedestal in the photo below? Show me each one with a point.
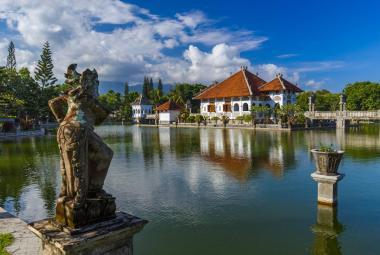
(327, 188)
(93, 210)
(109, 237)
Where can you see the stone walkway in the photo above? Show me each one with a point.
(25, 242)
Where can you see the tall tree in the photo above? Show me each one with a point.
(126, 90)
(11, 59)
(44, 71)
(160, 87)
(145, 89)
(151, 86)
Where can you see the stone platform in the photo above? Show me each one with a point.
(114, 236)
(25, 242)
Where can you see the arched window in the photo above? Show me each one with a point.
(245, 107)
(267, 105)
(236, 107)
(253, 104)
(260, 105)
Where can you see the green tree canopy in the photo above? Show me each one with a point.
(324, 100)
(362, 96)
(112, 100)
(185, 91)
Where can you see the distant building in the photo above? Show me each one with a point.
(141, 107)
(236, 95)
(168, 112)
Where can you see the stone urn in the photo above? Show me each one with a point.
(327, 162)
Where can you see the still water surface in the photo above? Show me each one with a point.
(215, 191)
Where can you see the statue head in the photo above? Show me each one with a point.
(89, 82)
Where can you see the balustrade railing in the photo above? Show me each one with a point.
(345, 114)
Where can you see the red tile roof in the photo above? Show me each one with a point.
(245, 83)
(168, 105)
(279, 83)
(242, 83)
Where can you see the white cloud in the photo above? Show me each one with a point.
(315, 84)
(269, 71)
(319, 66)
(289, 55)
(135, 46)
(135, 43)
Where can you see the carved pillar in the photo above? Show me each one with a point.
(342, 103)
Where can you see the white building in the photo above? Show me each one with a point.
(140, 108)
(168, 112)
(236, 95)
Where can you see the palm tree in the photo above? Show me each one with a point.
(177, 98)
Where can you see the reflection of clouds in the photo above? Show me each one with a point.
(32, 204)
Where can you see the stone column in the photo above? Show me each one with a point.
(327, 188)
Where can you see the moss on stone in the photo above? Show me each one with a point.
(5, 240)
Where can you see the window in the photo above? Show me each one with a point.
(245, 107)
(289, 99)
(267, 105)
(211, 108)
(253, 104)
(236, 107)
(226, 107)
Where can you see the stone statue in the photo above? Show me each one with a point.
(85, 158)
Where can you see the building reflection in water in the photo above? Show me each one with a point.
(326, 232)
(243, 154)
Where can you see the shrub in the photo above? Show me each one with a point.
(247, 118)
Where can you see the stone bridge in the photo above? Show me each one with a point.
(342, 116)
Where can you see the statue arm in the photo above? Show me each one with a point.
(58, 107)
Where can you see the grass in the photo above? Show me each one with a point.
(5, 240)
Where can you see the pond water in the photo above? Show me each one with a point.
(215, 191)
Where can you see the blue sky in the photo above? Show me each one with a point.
(316, 44)
(346, 33)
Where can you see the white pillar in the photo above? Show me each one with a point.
(327, 188)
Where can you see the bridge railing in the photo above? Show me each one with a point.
(344, 114)
(363, 114)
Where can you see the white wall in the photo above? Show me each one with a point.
(140, 111)
(169, 116)
(280, 98)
